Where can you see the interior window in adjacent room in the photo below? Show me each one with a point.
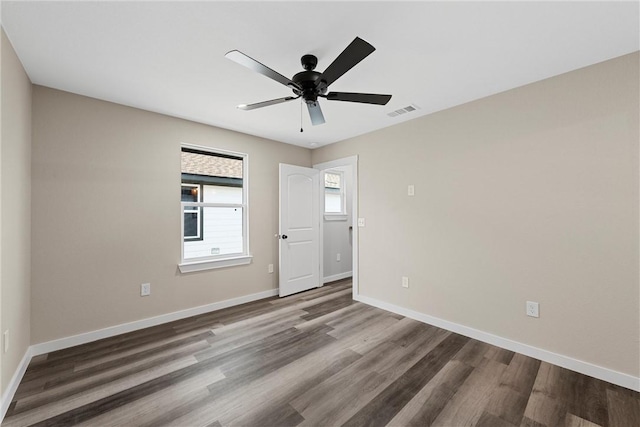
(334, 195)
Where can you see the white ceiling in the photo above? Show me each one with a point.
(168, 57)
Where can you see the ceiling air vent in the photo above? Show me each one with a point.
(404, 110)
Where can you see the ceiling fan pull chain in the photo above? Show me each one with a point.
(301, 116)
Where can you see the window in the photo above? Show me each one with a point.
(214, 209)
(334, 194)
(192, 215)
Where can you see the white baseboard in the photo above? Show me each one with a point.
(605, 374)
(335, 277)
(59, 344)
(8, 394)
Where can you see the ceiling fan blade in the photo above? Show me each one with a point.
(365, 98)
(248, 107)
(354, 53)
(317, 118)
(252, 64)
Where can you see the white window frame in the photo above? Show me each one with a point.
(335, 216)
(196, 211)
(225, 260)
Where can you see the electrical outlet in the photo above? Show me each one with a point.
(533, 309)
(338, 257)
(5, 341)
(145, 289)
(405, 282)
(360, 222)
(411, 190)
(270, 268)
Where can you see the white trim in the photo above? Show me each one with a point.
(586, 368)
(8, 394)
(335, 277)
(209, 264)
(353, 162)
(336, 217)
(59, 344)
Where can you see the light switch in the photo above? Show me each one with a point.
(360, 222)
(411, 191)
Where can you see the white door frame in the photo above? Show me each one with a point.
(353, 162)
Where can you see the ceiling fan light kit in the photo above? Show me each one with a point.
(310, 84)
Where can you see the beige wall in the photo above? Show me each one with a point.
(15, 223)
(531, 194)
(106, 214)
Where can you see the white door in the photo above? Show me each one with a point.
(299, 234)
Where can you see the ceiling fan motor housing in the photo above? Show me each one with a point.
(309, 81)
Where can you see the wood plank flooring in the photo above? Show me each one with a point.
(312, 359)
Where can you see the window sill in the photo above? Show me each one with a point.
(210, 264)
(336, 217)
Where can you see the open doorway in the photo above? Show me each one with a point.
(338, 217)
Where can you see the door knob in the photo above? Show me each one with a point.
(284, 237)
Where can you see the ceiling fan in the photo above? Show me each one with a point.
(310, 84)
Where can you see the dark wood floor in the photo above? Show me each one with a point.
(316, 358)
